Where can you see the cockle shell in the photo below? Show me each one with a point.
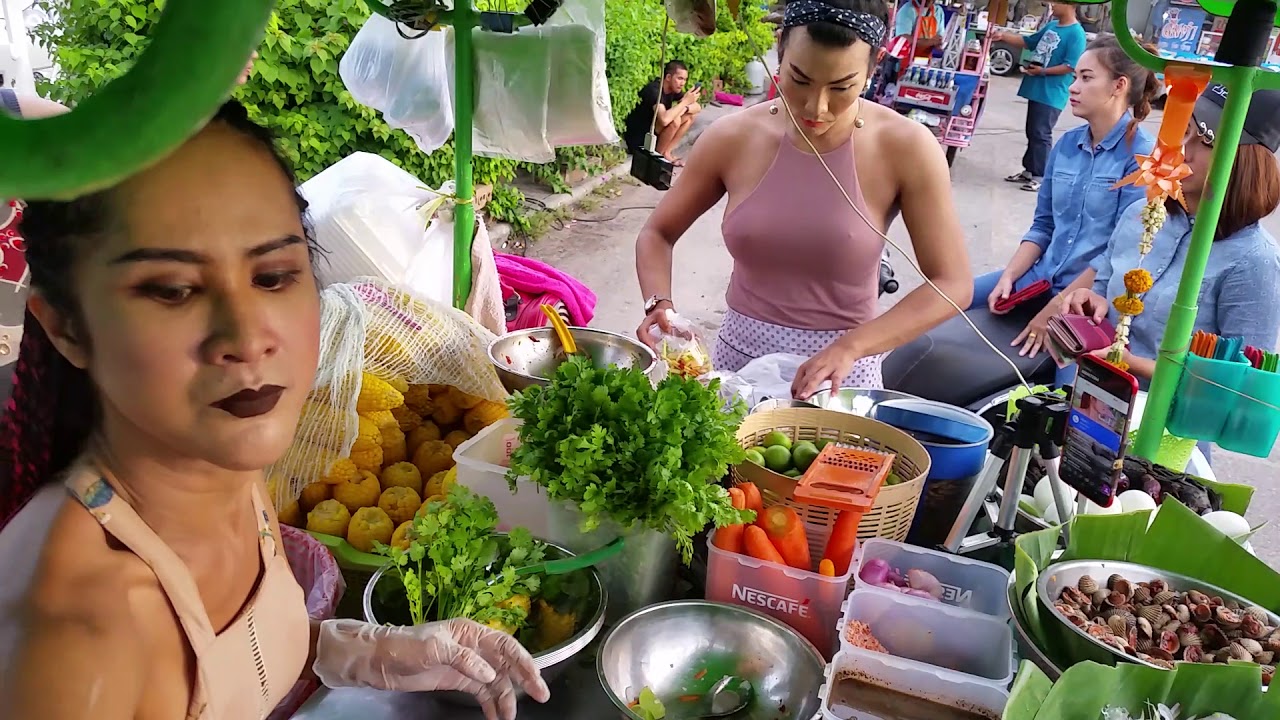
(1164, 598)
(1144, 628)
(1152, 613)
(1212, 637)
(1115, 578)
(1258, 614)
(1196, 597)
(1157, 586)
(1099, 631)
(1087, 585)
(1202, 612)
(1144, 645)
(1099, 597)
(1266, 657)
(1239, 653)
(1268, 674)
(1253, 647)
(1252, 627)
(1169, 642)
(1142, 596)
(1183, 613)
(1194, 653)
(1120, 627)
(1188, 638)
(1226, 617)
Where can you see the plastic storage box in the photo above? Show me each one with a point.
(966, 584)
(908, 678)
(806, 601)
(933, 634)
(482, 467)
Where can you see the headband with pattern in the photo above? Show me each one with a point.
(869, 28)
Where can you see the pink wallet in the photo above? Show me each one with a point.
(1071, 336)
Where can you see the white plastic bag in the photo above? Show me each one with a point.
(770, 376)
(682, 349)
(380, 221)
(543, 88)
(407, 80)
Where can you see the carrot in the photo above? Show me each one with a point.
(729, 538)
(757, 545)
(738, 498)
(786, 531)
(755, 502)
(826, 568)
(843, 541)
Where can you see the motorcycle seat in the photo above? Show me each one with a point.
(951, 364)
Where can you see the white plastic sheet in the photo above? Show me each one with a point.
(380, 221)
(765, 378)
(407, 80)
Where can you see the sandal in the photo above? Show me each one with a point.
(1021, 177)
(1032, 186)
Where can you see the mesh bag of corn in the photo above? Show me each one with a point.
(402, 382)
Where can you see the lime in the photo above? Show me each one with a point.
(777, 458)
(893, 479)
(793, 473)
(777, 439)
(760, 449)
(755, 457)
(804, 454)
(823, 443)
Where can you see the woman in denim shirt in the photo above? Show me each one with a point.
(1078, 206)
(1240, 295)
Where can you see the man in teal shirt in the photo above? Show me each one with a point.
(1046, 85)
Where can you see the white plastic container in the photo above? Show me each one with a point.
(939, 637)
(897, 674)
(482, 467)
(966, 583)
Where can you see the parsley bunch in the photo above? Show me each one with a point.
(606, 440)
(456, 567)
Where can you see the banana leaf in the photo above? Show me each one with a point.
(1085, 690)
(1177, 540)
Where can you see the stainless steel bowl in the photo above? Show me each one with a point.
(526, 358)
(1025, 640)
(1055, 578)
(857, 401)
(684, 647)
(552, 662)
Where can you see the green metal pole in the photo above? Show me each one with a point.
(1182, 317)
(464, 19)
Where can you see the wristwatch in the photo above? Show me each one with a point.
(652, 303)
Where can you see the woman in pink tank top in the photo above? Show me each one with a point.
(171, 337)
(805, 251)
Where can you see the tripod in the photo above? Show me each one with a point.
(1039, 430)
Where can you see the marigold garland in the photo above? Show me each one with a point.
(1161, 173)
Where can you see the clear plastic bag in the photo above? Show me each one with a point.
(695, 17)
(770, 376)
(407, 80)
(682, 349)
(372, 326)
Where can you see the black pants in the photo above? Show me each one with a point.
(1040, 121)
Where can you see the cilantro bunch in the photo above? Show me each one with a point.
(606, 440)
(456, 567)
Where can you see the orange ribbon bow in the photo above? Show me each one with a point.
(1161, 173)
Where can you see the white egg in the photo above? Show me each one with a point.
(1051, 513)
(1135, 500)
(1228, 523)
(1092, 508)
(1044, 495)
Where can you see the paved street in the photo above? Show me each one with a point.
(994, 214)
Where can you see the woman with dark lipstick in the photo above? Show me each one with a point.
(171, 337)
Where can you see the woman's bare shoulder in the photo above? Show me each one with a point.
(81, 637)
(744, 126)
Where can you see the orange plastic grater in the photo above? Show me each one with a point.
(844, 478)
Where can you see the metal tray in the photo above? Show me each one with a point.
(1054, 578)
(1025, 641)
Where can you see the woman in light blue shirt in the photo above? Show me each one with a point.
(1078, 205)
(1240, 295)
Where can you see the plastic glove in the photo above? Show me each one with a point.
(456, 655)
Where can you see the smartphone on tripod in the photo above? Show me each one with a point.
(1098, 429)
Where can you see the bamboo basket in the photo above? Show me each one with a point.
(895, 507)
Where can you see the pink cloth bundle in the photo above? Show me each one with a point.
(537, 283)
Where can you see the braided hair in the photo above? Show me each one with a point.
(53, 409)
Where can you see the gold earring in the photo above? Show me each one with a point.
(773, 109)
